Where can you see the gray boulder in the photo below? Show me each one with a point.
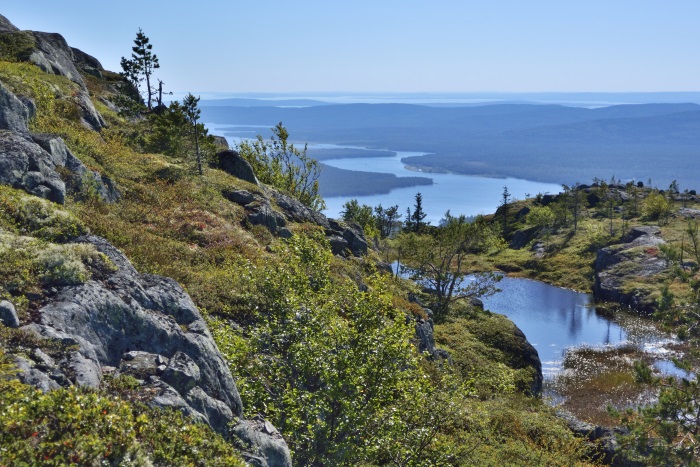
(182, 373)
(141, 365)
(232, 163)
(217, 414)
(221, 142)
(339, 246)
(525, 356)
(25, 165)
(14, 114)
(79, 179)
(264, 441)
(130, 312)
(263, 214)
(242, 197)
(689, 213)
(425, 340)
(87, 63)
(346, 238)
(353, 234)
(85, 371)
(28, 374)
(636, 257)
(167, 397)
(295, 211)
(8, 314)
(54, 56)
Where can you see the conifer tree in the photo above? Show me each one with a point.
(189, 104)
(504, 210)
(141, 65)
(418, 215)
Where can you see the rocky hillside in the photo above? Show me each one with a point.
(132, 282)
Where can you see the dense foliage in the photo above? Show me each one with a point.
(77, 426)
(324, 360)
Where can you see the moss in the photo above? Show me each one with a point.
(27, 263)
(16, 46)
(486, 352)
(37, 217)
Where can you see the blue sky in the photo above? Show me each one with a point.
(391, 45)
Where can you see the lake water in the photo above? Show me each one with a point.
(461, 194)
(556, 319)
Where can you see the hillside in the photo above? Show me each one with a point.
(172, 317)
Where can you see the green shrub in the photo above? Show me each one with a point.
(16, 46)
(77, 426)
(332, 367)
(656, 207)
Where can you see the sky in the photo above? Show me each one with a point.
(440, 46)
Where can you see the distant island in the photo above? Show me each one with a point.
(323, 154)
(341, 182)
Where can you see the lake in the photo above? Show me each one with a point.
(461, 194)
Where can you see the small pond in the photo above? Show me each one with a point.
(556, 319)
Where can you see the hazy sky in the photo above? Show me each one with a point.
(390, 45)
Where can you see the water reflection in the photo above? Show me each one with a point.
(553, 319)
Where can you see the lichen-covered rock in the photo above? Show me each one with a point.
(296, 211)
(24, 164)
(216, 413)
(426, 341)
(54, 56)
(525, 355)
(263, 214)
(8, 314)
(51, 53)
(353, 234)
(242, 197)
(221, 142)
(339, 246)
(87, 63)
(129, 312)
(182, 373)
(141, 365)
(28, 374)
(265, 441)
(85, 371)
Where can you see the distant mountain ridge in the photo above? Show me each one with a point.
(551, 143)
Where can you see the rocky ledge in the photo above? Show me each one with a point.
(619, 268)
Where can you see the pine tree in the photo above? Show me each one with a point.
(189, 104)
(418, 215)
(504, 210)
(141, 65)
